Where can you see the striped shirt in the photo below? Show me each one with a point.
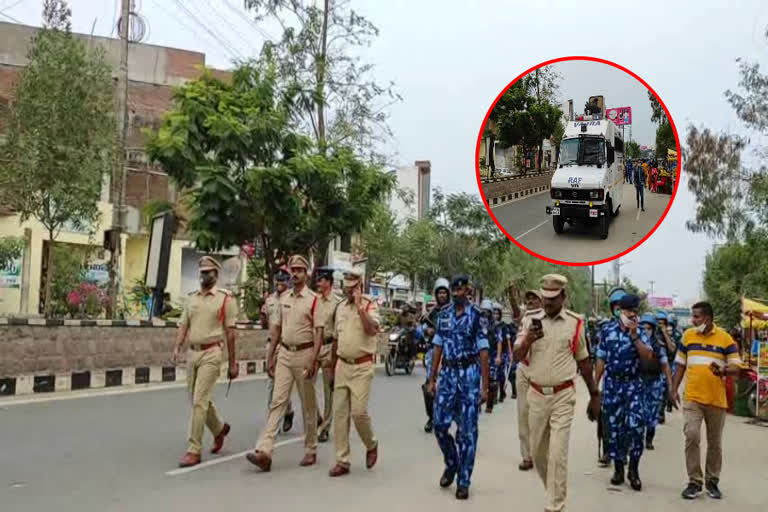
(697, 351)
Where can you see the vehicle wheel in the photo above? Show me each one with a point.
(558, 222)
(389, 365)
(409, 367)
(604, 223)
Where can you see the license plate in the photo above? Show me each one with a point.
(555, 211)
(593, 213)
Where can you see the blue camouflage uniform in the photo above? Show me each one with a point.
(462, 338)
(655, 385)
(623, 392)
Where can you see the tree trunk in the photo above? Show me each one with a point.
(49, 276)
(492, 155)
(540, 156)
(320, 77)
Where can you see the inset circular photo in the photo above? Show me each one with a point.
(577, 161)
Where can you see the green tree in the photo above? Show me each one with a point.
(339, 103)
(665, 139)
(732, 196)
(251, 177)
(380, 242)
(523, 118)
(632, 149)
(657, 111)
(735, 270)
(10, 249)
(61, 132)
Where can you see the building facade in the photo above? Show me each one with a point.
(153, 72)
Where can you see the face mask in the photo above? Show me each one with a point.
(616, 313)
(459, 301)
(701, 328)
(207, 280)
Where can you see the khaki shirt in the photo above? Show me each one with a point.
(297, 316)
(324, 313)
(551, 358)
(203, 312)
(272, 305)
(353, 342)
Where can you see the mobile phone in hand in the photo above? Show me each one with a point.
(536, 325)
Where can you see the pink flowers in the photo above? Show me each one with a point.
(86, 301)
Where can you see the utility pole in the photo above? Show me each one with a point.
(118, 173)
(592, 290)
(652, 282)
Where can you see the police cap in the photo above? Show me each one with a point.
(324, 273)
(459, 281)
(298, 261)
(552, 285)
(209, 263)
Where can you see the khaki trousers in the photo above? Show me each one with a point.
(203, 370)
(352, 387)
(289, 370)
(523, 430)
(714, 419)
(325, 360)
(271, 388)
(550, 419)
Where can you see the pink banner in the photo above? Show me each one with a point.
(620, 115)
(661, 302)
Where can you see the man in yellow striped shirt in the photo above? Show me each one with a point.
(707, 353)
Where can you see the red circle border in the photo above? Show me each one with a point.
(480, 137)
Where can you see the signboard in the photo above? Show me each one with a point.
(620, 115)
(98, 272)
(10, 276)
(762, 360)
(661, 302)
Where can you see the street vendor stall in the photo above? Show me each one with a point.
(754, 319)
(665, 180)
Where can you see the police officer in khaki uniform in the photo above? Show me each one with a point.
(354, 350)
(272, 305)
(208, 319)
(555, 347)
(532, 310)
(295, 362)
(326, 307)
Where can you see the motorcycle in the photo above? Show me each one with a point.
(752, 396)
(400, 355)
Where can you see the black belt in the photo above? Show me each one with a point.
(464, 362)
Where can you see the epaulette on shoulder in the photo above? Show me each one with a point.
(573, 314)
(193, 292)
(225, 292)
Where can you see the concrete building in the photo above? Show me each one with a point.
(410, 202)
(153, 72)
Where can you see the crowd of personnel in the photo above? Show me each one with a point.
(471, 354)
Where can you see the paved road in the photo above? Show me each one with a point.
(115, 453)
(528, 223)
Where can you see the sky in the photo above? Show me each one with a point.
(450, 59)
(582, 79)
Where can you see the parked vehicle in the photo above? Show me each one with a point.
(401, 351)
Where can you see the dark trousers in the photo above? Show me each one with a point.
(640, 195)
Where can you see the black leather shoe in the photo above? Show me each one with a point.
(604, 461)
(462, 493)
(428, 427)
(618, 473)
(447, 479)
(323, 437)
(288, 422)
(649, 445)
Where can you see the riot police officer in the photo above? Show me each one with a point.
(442, 297)
(494, 349)
(622, 345)
(461, 356)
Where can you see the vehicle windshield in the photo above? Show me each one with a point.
(582, 151)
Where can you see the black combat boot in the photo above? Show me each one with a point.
(618, 472)
(429, 407)
(492, 393)
(633, 475)
(502, 392)
(447, 479)
(462, 493)
(650, 433)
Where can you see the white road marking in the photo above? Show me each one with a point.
(518, 237)
(637, 217)
(228, 458)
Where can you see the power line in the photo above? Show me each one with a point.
(10, 18)
(249, 21)
(14, 4)
(230, 25)
(205, 13)
(233, 53)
